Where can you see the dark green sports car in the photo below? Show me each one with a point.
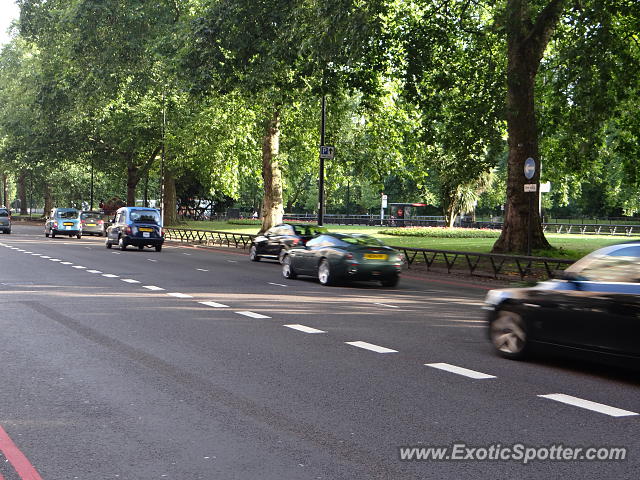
(337, 257)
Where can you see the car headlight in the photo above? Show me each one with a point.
(496, 297)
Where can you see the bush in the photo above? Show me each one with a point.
(441, 232)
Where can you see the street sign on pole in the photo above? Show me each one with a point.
(384, 201)
(530, 187)
(327, 151)
(529, 168)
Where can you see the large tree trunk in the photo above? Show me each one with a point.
(133, 177)
(169, 199)
(526, 44)
(5, 191)
(48, 199)
(22, 192)
(272, 208)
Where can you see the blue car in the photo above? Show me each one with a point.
(137, 226)
(63, 221)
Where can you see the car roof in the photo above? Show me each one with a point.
(66, 209)
(150, 209)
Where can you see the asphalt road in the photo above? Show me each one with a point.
(113, 367)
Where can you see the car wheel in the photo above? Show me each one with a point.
(508, 334)
(253, 254)
(121, 244)
(287, 268)
(107, 243)
(158, 248)
(140, 247)
(79, 236)
(46, 234)
(324, 272)
(53, 235)
(390, 281)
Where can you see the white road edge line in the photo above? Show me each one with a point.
(589, 405)
(152, 287)
(304, 328)
(465, 372)
(371, 346)
(252, 314)
(214, 304)
(179, 295)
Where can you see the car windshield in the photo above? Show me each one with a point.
(145, 216)
(309, 229)
(90, 216)
(4, 212)
(68, 214)
(611, 265)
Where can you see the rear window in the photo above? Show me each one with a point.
(309, 229)
(91, 215)
(4, 212)
(145, 216)
(363, 240)
(68, 214)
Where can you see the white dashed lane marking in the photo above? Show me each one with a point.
(252, 314)
(179, 295)
(385, 305)
(304, 328)
(277, 284)
(465, 372)
(214, 304)
(110, 275)
(94, 271)
(202, 270)
(66, 263)
(129, 280)
(78, 267)
(588, 405)
(152, 287)
(371, 346)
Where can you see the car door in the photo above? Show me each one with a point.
(599, 309)
(114, 229)
(306, 256)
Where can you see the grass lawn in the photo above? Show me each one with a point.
(568, 246)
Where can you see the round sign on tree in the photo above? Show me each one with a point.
(529, 168)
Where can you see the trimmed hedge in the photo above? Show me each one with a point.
(441, 232)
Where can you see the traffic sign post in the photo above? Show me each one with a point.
(327, 152)
(383, 205)
(531, 188)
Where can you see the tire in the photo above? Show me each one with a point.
(324, 273)
(107, 243)
(253, 254)
(508, 334)
(287, 268)
(390, 281)
(140, 247)
(46, 234)
(53, 235)
(121, 244)
(158, 248)
(79, 236)
(283, 253)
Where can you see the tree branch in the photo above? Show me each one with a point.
(544, 26)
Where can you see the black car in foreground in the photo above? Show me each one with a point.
(592, 308)
(338, 257)
(277, 241)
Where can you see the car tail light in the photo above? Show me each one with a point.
(55, 224)
(296, 241)
(349, 256)
(101, 222)
(84, 221)
(127, 230)
(162, 232)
